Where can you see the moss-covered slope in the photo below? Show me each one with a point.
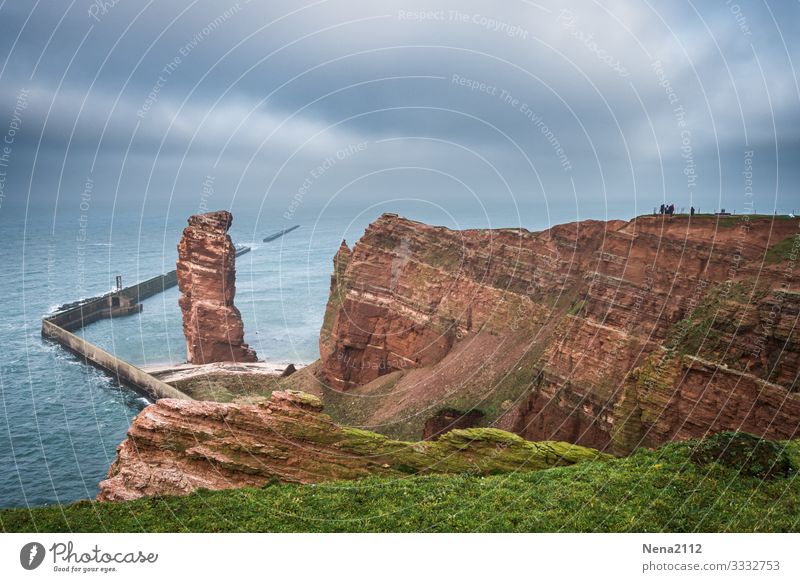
(680, 487)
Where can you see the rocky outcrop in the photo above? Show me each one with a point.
(207, 279)
(176, 446)
(552, 334)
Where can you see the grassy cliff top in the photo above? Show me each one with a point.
(678, 487)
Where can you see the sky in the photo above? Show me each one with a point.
(537, 112)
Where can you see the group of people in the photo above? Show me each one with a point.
(670, 209)
(667, 209)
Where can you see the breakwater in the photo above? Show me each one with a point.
(58, 327)
(125, 373)
(281, 233)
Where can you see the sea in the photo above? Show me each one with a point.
(61, 420)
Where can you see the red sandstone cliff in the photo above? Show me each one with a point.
(609, 334)
(177, 446)
(207, 280)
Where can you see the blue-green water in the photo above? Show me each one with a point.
(60, 421)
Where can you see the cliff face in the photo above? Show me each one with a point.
(610, 334)
(207, 280)
(177, 446)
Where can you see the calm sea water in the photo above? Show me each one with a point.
(60, 420)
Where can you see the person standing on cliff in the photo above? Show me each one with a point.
(691, 211)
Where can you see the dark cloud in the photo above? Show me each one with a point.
(569, 109)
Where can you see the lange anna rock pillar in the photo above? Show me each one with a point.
(207, 280)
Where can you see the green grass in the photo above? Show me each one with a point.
(577, 307)
(653, 490)
(708, 330)
(781, 251)
(721, 221)
(445, 257)
(740, 219)
(221, 387)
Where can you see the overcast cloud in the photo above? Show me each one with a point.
(564, 110)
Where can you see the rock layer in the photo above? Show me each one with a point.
(176, 446)
(609, 334)
(207, 280)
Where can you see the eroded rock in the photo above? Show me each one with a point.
(177, 446)
(207, 280)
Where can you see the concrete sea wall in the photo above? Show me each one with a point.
(124, 372)
(151, 287)
(59, 326)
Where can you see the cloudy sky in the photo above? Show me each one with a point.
(552, 110)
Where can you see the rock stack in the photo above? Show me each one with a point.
(207, 280)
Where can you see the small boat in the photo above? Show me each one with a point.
(241, 249)
(279, 234)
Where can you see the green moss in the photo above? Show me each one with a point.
(221, 387)
(655, 378)
(482, 451)
(465, 436)
(577, 307)
(646, 394)
(447, 258)
(628, 431)
(335, 302)
(738, 219)
(304, 398)
(704, 332)
(782, 251)
(731, 221)
(381, 239)
(355, 407)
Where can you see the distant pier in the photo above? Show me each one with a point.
(281, 233)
